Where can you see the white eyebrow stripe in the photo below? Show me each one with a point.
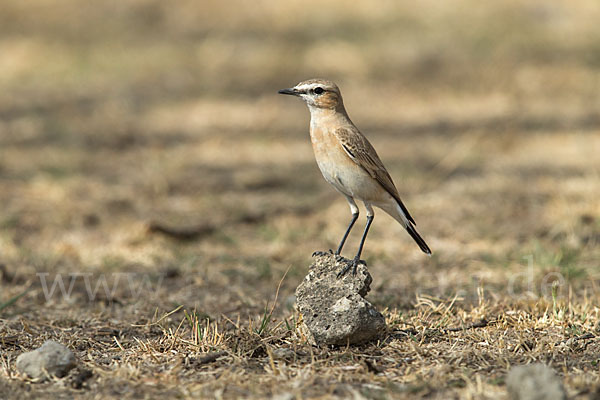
(307, 87)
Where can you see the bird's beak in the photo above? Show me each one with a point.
(291, 91)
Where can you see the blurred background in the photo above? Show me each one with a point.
(144, 147)
(149, 136)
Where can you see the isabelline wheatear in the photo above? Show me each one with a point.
(349, 162)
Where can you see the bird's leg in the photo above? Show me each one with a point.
(352, 221)
(354, 263)
(354, 211)
(362, 240)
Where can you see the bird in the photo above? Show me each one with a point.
(350, 163)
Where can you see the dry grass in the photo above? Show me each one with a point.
(143, 144)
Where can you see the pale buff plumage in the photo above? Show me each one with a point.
(348, 161)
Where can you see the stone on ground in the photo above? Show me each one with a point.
(334, 310)
(534, 382)
(52, 359)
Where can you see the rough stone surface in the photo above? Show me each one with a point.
(534, 382)
(334, 310)
(52, 359)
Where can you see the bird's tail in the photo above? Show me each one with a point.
(417, 238)
(398, 214)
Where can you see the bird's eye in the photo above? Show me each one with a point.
(318, 90)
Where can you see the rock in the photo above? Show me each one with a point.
(334, 310)
(534, 382)
(282, 353)
(284, 396)
(51, 359)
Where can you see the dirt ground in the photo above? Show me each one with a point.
(159, 202)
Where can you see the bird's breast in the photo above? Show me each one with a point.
(337, 167)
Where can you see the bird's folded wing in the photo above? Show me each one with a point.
(360, 150)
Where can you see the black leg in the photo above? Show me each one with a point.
(356, 259)
(352, 221)
(364, 237)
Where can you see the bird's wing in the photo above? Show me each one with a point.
(362, 152)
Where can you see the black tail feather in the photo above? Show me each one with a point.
(417, 238)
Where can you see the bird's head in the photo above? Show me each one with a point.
(317, 93)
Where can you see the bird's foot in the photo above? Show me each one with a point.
(322, 253)
(352, 264)
(337, 255)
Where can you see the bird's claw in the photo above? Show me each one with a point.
(352, 264)
(323, 253)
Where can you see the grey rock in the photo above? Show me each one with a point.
(51, 359)
(534, 382)
(334, 310)
(283, 353)
(284, 396)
